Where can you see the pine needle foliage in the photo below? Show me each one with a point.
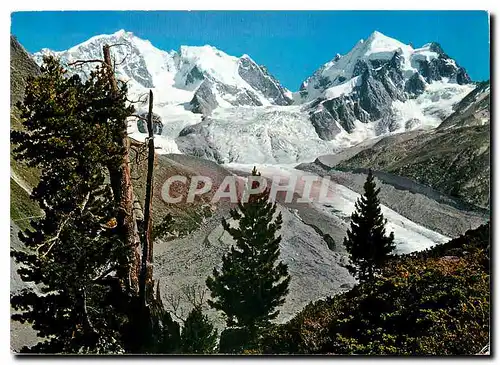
(252, 282)
(71, 130)
(367, 243)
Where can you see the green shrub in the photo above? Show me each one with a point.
(434, 302)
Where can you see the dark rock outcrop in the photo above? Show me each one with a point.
(373, 96)
(21, 67)
(205, 100)
(157, 124)
(260, 79)
(442, 66)
(194, 76)
(325, 125)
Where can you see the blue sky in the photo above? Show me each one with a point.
(292, 44)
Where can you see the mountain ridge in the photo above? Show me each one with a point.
(201, 77)
(380, 87)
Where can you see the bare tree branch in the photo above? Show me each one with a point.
(88, 322)
(195, 295)
(139, 117)
(123, 60)
(139, 100)
(82, 62)
(175, 302)
(117, 44)
(106, 272)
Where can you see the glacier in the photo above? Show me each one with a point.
(409, 236)
(232, 110)
(243, 113)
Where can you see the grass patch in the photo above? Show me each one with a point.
(21, 206)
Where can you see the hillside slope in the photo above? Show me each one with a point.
(434, 302)
(453, 159)
(23, 178)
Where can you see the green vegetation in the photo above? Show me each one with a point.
(74, 252)
(22, 208)
(198, 334)
(435, 302)
(366, 241)
(22, 67)
(252, 283)
(71, 249)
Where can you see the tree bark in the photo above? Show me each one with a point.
(121, 185)
(146, 277)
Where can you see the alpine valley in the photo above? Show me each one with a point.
(413, 115)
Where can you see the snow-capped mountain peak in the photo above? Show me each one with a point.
(386, 83)
(342, 68)
(376, 50)
(201, 76)
(211, 61)
(380, 86)
(379, 46)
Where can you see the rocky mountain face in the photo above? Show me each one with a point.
(21, 67)
(472, 110)
(453, 159)
(376, 82)
(257, 77)
(380, 87)
(203, 95)
(201, 78)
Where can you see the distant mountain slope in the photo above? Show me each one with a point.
(474, 109)
(23, 178)
(454, 159)
(21, 66)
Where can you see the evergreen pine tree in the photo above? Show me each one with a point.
(152, 329)
(366, 242)
(72, 252)
(252, 283)
(76, 253)
(198, 334)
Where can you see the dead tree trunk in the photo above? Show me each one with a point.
(146, 277)
(121, 185)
